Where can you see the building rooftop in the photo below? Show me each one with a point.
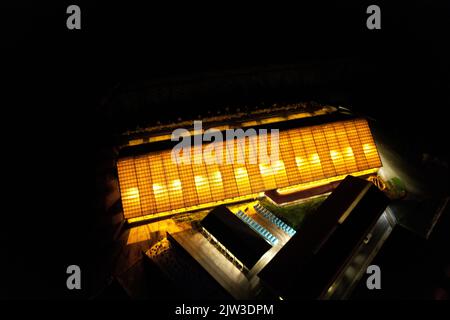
(244, 243)
(312, 258)
(163, 140)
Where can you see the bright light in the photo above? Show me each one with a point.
(299, 161)
(157, 188)
(199, 181)
(317, 183)
(278, 166)
(334, 155)
(242, 181)
(176, 184)
(315, 160)
(368, 149)
(265, 169)
(241, 172)
(349, 152)
(131, 194)
(152, 184)
(217, 177)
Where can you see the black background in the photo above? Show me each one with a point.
(56, 77)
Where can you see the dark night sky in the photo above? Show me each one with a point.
(58, 77)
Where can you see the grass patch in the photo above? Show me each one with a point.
(293, 214)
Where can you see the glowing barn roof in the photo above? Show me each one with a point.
(152, 183)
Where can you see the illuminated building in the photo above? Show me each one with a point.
(234, 235)
(319, 152)
(323, 260)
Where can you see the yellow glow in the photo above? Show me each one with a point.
(338, 161)
(216, 177)
(131, 194)
(176, 184)
(334, 155)
(267, 176)
(157, 188)
(265, 169)
(349, 152)
(193, 208)
(160, 138)
(298, 116)
(279, 172)
(135, 142)
(145, 232)
(315, 160)
(315, 166)
(199, 181)
(368, 149)
(249, 123)
(308, 185)
(278, 166)
(241, 172)
(152, 184)
(161, 196)
(222, 128)
(203, 189)
(320, 112)
(299, 161)
(272, 120)
(242, 181)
